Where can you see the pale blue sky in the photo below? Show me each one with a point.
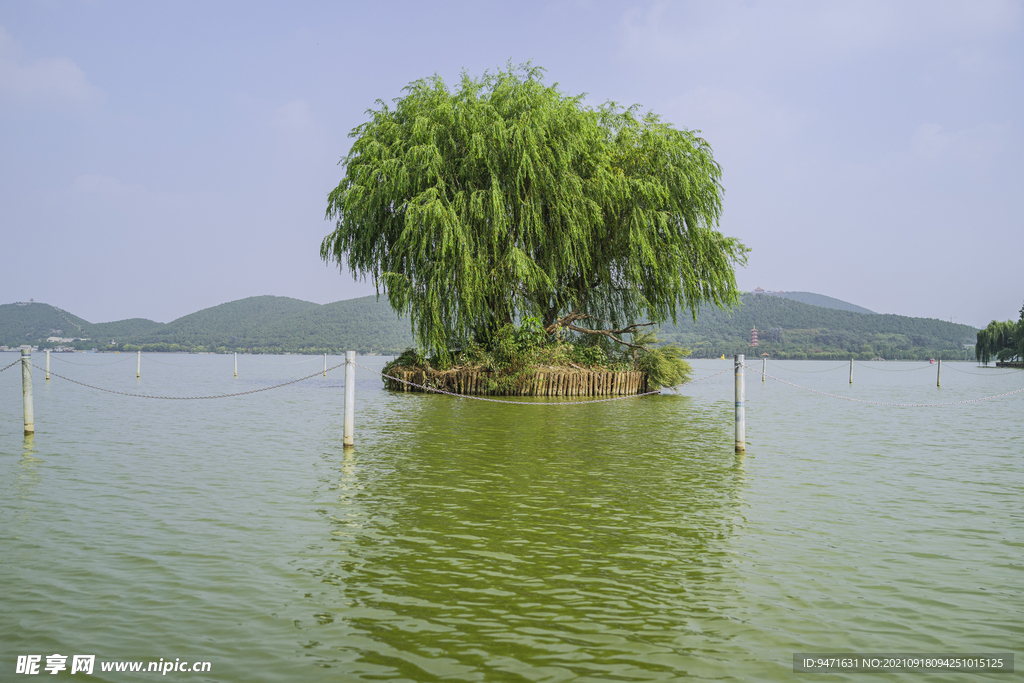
(159, 159)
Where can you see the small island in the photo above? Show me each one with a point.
(525, 362)
(533, 241)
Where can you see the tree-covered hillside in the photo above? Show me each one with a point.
(269, 324)
(33, 322)
(261, 324)
(131, 328)
(791, 329)
(364, 325)
(242, 324)
(823, 301)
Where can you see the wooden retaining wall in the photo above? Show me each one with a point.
(544, 382)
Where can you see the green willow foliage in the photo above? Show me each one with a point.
(505, 198)
(1001, 340)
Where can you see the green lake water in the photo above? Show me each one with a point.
(470, 541)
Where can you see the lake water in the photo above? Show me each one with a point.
(470, 541)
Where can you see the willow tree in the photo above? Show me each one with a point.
(504, 198)
(1001, 340)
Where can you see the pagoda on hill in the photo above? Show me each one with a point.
(753, 337)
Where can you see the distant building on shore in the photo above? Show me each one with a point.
(767, 293)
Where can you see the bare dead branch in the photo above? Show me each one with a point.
(568, 320)
(606, 333)
(565, 321)
(631, 329)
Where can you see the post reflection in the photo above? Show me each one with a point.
(28, 477)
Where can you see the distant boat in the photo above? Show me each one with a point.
(932, 361)
(723, 357)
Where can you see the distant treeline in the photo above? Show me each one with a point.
(787, 328)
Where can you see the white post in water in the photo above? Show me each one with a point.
(47, 365)
(741, 426)
(350, 398)
(325, 365)
(764, 365)
(851, 371)
(236, 363)
(26, 390)
(938, 374)
(138, 366)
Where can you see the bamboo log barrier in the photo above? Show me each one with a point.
(548, 382)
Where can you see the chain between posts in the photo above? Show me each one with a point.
(179, 365)
(89, 365)
(190, 398)
(808, 372)
(882, 403)
(980, 374)
(161, 362)
(525, 403)
(872, 367)
(251, 357)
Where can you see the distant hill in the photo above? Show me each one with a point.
(365, 325)
(271, 324)
(792, 329)
(122, 329)
(32, 322)
(787, 328)
(240, 324)
(259, 324)
(823, 301)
